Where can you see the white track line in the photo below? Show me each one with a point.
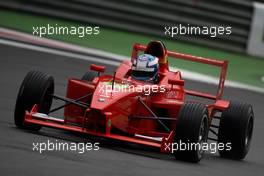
(58, 52)
(187, 74)
(20, 36)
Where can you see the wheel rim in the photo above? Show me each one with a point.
(202, 135)
(47, 99)
(249, 132)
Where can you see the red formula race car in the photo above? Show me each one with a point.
(121, 108)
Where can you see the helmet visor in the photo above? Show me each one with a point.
(143, 75)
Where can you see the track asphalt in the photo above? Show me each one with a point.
(18, 158)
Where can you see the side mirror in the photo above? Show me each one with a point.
(179, 82)
(97, 68)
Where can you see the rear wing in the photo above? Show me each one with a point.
(203, 60)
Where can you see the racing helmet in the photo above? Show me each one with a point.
(145, 68)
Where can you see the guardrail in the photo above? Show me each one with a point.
(151, 16)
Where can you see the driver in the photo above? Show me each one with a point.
(145, 68)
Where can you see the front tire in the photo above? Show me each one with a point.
(236, 128)
(36, 88)
(191, 128)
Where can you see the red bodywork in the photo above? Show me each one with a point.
(120, 115)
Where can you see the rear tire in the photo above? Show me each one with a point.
(236, 127)
(36, 88)
(191, 128)
(89, 76)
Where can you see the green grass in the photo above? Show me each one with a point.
(242, 68)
